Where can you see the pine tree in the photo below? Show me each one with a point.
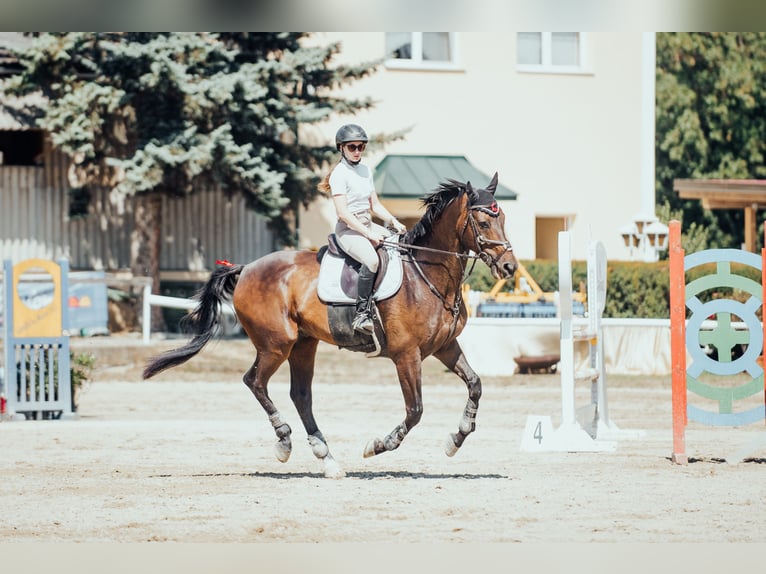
(147, 114)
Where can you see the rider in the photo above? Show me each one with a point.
(353, 192)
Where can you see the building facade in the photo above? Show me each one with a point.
(557, 115)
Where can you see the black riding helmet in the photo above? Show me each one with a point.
(349, 133)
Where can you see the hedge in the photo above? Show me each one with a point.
(634, 289)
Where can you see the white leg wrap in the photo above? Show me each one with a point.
(393, 440)
(283, 448)
(468, 422)
(276, 420)
(318, 447)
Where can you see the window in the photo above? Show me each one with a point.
(551, 52)
(422, 50)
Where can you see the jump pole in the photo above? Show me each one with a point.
(678, 341)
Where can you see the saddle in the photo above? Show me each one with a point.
(338, 273)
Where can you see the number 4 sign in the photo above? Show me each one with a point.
(538, 434)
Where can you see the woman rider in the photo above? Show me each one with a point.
(353, 192)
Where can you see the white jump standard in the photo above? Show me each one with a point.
(600, 431)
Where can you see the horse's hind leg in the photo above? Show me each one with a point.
(453, 358)
(301, 375)
(257, 380)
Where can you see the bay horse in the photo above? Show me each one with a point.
(275, 300)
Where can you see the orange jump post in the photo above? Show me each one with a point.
(678, 341)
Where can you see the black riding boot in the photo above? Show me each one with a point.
(363, 319)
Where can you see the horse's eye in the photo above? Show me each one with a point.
(484, 224)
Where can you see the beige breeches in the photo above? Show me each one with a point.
(358, 246)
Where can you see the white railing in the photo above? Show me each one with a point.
(150, 299)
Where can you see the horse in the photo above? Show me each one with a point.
(275, 300)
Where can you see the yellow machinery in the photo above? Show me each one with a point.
(525, 290)
(526, 299)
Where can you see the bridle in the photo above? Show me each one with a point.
(479, 253)
(481, 241)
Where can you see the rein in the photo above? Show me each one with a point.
(409, 246)
(481, 243)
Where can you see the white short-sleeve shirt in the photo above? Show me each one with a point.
(355, 182)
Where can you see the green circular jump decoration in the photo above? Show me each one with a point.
(724, 337)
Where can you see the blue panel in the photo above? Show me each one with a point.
(87, 303)
(716, 255)
(729, 419)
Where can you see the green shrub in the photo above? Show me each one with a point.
(80, 368)
(633, 289)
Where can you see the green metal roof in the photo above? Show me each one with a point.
(413, 176)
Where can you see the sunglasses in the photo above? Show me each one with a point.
(354, 147)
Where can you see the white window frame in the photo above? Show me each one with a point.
(418, 63)
(547, 67)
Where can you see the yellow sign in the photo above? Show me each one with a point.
(44, 319)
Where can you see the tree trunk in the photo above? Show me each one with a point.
(145, 246)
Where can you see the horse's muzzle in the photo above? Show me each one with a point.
(507, 269)
(504, 269)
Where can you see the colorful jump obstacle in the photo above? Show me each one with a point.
(693, 336)
(37, 365)
(571, 435)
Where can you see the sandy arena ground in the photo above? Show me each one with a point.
(188, 457)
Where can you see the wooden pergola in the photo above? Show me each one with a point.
(747, 194)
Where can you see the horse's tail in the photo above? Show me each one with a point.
(202, 321)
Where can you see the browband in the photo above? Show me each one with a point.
(492, 209)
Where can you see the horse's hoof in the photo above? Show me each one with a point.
(375, 446)
(332, 469)
(450, 448)
(282, 451)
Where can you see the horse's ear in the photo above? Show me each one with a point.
(492, 184)
(472, 193)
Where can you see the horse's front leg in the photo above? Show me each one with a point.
(453, 358)
(408, 368)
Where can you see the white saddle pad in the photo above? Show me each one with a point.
(330, 290)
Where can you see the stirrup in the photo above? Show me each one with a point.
(363, 323)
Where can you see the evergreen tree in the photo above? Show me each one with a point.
(147, 114)
(711, 120)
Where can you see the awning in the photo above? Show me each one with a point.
(413, 176)
(747, 194)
